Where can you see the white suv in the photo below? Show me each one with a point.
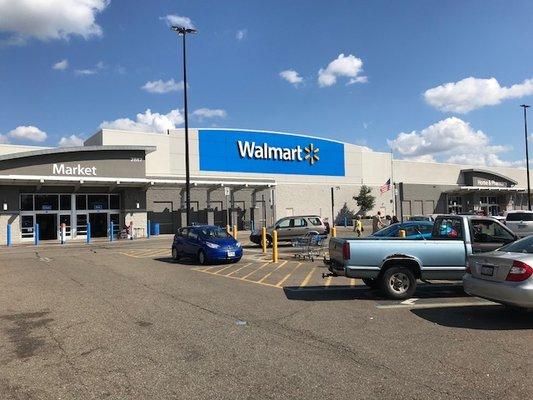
(520, 222)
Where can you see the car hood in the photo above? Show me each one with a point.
(221, 241)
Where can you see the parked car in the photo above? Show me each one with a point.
(291, 227)
(520, 222)
(504, 275)
(206, 244)
(395, 264)
(420, 218)
(413, 230)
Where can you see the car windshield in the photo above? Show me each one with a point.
(519, 216)
(214, 232)
(388, 231)
(524, 245)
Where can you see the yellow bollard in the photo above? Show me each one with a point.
(235, 232)
(275, 246)
(264, 239)
(333, 232)
(228, 229)
(401, 233)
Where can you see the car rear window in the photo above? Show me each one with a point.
(519, 216)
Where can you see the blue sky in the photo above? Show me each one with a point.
(395, 51)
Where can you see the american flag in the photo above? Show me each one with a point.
(385, 187)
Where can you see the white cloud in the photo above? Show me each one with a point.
(291, 76)
(31, 133)
(343, 66)
(147, 122)
(161, 86)
(204, 113)
(90, 71)
(241, 34)
(176, 20)
(50, 19)
(473, 93)
(70, 141)
(61, 65)
(452, 140)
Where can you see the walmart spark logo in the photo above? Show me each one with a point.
(312, 153)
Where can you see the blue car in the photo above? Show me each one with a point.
(206, 244)
(413, 230)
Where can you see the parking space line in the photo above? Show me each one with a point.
(255, 270)
(352, 282)
(308, 277)
(238, 269)
(223, 269)
(288, 275)
(328, 282)
(271, 272)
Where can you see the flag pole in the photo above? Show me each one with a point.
(392, 181)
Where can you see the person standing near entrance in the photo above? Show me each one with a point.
(377, 222)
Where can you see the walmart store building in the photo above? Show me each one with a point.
(239, 177)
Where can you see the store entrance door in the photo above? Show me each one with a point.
(47, 226)
(98, 224)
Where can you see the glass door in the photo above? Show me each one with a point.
(81, 225)
(27, 226)
(65, 219)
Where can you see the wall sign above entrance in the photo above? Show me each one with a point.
(76, 170)
(265, 152)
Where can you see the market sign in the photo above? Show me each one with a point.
(264, 152)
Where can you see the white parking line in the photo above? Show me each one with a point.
(438, 305)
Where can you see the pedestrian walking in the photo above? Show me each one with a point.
(358, 226)
(377, 222)
(394, 220)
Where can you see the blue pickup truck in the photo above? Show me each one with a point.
(394, 264)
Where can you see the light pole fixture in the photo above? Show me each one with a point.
(525, 107)
(183, 31)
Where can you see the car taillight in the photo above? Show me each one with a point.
(519, 272)
(346, 251)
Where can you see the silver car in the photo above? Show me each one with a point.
(504, 275)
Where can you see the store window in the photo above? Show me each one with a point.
(81, 202)
(98, 201)
(65, 202)
(46, 202)
(114, 201)
(26, 202)
(455, 204)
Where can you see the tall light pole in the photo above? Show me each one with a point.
(525, 107)
(183, 31)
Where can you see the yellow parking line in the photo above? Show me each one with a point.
(240, 279)
(223, 269)
(308, 277)
(287, 276)
(328, 282)
(146, 253)
(270, 273)
(238, 269)
(255, 270)
(352, 282)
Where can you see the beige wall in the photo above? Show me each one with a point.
(13, 148)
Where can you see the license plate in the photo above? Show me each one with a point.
(487, 271)
(231, 254)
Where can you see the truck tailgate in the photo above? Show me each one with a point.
(335, 251)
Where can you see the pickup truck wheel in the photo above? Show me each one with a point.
(398, 283)
(371, 283)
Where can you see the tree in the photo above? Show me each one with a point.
(365, 200)
(343, 213)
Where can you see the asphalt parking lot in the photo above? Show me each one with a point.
(122, 321)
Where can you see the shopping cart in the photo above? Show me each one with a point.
(310, 246)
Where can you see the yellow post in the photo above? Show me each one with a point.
(228, 229)
(333, 232)
(235, 232)
(401, 233)
(264, 239)
(275, 246)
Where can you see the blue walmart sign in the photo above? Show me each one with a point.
(262, 152)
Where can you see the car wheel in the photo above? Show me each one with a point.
(269, 241)
(175, 254)
(371, 283)
(202, 259)
(398, 283)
